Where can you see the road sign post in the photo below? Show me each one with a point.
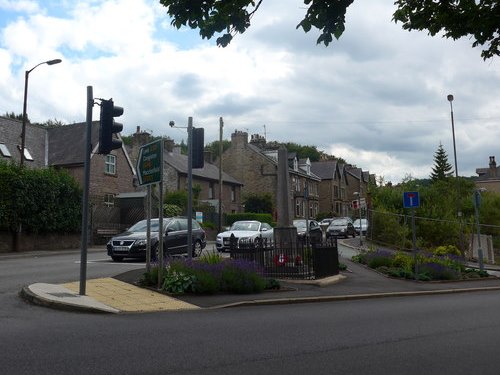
(411, 199)
(150, 171)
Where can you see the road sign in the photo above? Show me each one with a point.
(411, 199)
(150, 163)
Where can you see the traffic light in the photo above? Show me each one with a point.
(198, 147)
(108, 127)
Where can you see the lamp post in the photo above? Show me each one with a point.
(358, 194)
(459, 213)
(26, 76)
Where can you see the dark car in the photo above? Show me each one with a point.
(314, 230)
(342, 227)
(132, 243)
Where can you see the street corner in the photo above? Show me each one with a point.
(61, 298)
(128, 298)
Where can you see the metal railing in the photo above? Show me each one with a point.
(300, 260)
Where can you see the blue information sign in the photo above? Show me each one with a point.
(411, 199)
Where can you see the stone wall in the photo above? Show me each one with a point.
(35, 242)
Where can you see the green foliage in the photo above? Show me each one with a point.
(178, 282)
(211, 258)
(454, 19)
(265, 218)
(42, 200)
(214, 147)
(177, 198)
(403, 261)
(442, 169)
(241, 281)
(446, 250)
(261, 203)
(170, 210)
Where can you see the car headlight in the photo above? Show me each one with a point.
(141, 242)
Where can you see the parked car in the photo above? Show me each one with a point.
(327, 220)
(247, 230)
(132, 243)
(364, 226)
(314, 229)
(342, 227)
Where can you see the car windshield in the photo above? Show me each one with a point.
(339, 222)
(300, 224)
(141, 226)
(245, 225)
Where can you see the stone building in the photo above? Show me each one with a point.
(489, 178)
(256, 167)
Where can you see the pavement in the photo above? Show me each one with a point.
(120, 294)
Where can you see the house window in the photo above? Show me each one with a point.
(110, 164)
(27, 155)
(211, 190)
(4, 150)
(335, 191)
(233, 194)
(297, 208)
(109, 200)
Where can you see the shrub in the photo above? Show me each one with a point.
(178, 282)
(403, 260)
(242, 278)
(446, 250)
(438, 271)
(379, 258)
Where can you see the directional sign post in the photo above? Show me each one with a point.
(150, 171)
(149, 163)
(411, 199)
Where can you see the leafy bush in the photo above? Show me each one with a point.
(403, 260)
(446, 250)
(42, 200)
(178, 282)
(210, 274)
(438, 271)
(379, 258)
(266, 218)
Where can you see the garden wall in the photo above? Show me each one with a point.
(32, 242)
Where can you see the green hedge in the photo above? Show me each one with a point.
(42, 200)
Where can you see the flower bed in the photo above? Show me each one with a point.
(444, 263)
(210, 274)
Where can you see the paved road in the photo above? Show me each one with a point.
(420, 335)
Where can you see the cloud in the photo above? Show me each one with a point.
(376, 97)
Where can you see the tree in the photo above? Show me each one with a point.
(259, 203)
(442, 169)
(479, 20)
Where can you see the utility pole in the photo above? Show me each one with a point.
(221, 150)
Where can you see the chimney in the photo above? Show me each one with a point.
(493, 167)
(168, 144)
(239, 139)
(207, 156)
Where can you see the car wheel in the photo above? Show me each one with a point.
(197, 249)
(116, 259)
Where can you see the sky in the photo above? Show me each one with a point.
(376, 98)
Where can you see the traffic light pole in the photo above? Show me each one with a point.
(85, 199)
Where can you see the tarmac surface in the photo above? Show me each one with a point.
(119, 294)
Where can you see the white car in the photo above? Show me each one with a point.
(248, 230)
(364, 226)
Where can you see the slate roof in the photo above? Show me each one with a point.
(67, 143)
(324, 169)
(35, 141)
(209, 171)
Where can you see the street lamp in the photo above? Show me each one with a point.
(358, 194)
(450, 99)
(26, 76)
(459, 213)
